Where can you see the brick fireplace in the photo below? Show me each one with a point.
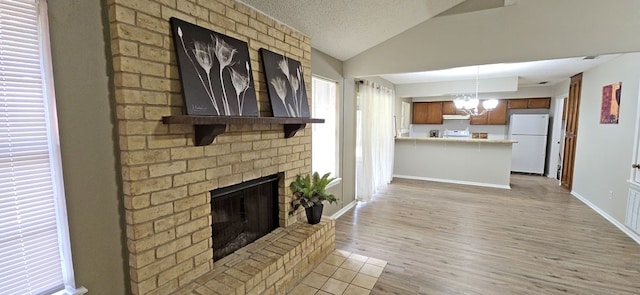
(166, 179)
(243, 213)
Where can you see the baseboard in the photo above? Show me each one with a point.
(454, 181)
(343, 210)
(608, 217)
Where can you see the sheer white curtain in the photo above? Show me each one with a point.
(374, 146)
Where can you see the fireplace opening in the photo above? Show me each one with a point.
(243, 213)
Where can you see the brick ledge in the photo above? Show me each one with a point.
(272, 265)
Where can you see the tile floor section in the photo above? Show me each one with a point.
(340, 273)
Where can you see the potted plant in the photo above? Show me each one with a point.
(309, 192)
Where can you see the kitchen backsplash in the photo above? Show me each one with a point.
(494, 131)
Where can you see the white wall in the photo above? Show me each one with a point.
(522, 92)
(604, 151)
(507, 84)
(455, 161)
(527, 31)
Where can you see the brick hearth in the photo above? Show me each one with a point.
(272, 265)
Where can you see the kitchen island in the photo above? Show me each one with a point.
(481, 162)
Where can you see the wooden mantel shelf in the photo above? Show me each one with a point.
(208, 127)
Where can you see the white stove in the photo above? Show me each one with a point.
(456, 134)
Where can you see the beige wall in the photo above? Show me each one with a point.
(529, 30)
(331, 68)
(89, 160)
(604, 151)
(327, 67)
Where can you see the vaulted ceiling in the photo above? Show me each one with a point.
(344, 29)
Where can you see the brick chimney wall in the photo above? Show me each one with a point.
(166, 179)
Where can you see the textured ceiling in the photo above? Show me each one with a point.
(344, 28)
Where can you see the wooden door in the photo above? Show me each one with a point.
(571, 132)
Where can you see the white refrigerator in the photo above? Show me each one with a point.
(530, 132)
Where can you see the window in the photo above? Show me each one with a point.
(405, 118)
(324, 141)
(34, 239)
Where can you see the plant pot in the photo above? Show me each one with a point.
(314, 213)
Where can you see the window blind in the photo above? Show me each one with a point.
(30, 250)
(325, 137)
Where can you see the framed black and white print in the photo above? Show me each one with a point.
(285, 85)
(215, 72)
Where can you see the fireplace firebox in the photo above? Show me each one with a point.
(243, 213)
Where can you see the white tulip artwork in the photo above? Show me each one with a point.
(215, 72)
(285, 85)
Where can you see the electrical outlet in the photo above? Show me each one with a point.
(610, 194)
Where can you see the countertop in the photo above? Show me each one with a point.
(470, 140)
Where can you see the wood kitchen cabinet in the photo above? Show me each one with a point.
(449, 108)
(517, 103)
(539, 103)
(479, 120)
(530, 103)
(497, 116)
(427, 113)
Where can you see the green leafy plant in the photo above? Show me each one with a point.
(310, 190)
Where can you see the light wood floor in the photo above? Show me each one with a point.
(451, 239)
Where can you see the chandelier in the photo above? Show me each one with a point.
(469, 104)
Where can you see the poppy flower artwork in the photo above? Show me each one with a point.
(215, 72)
(285, 85)
(610, 108)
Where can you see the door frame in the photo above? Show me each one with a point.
(571, 131)
(557, 131)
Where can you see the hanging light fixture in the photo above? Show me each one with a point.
(469, 104)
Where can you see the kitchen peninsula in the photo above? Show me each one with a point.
(481, 162)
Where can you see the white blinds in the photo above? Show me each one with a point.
(324, 137)
(30, 261)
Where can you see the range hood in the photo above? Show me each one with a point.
(455, 117)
